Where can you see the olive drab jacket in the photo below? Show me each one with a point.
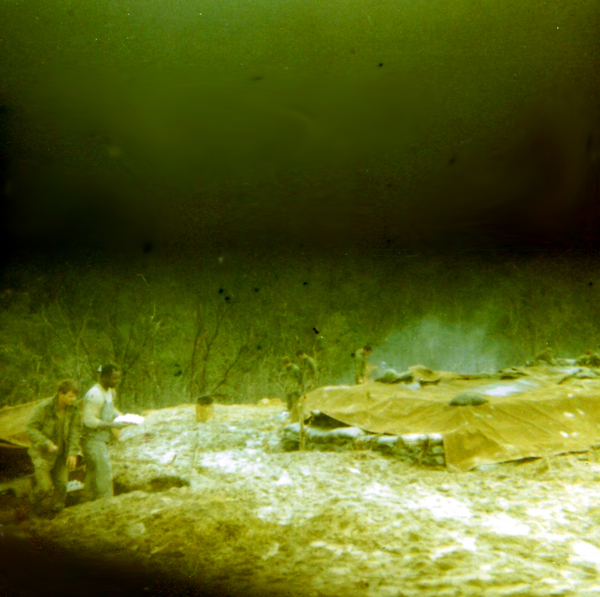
(46, 427)
(291, 379)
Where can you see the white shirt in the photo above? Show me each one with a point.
(93, 404)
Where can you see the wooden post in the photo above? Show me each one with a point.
(301, 418)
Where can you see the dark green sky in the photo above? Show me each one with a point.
(209, 124)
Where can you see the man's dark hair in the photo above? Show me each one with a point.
(68, 385)
(108, 370)
(368, 348)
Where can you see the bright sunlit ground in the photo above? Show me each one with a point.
(338, 523)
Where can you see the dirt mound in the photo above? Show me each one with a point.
(240, 514)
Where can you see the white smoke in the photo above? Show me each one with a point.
(439, 345)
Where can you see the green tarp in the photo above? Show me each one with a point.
(533, 416)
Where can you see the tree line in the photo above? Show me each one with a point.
(219, 324)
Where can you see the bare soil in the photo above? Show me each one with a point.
(222, 502)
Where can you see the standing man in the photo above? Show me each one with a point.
(309, 371)
(544, 357)
(98, 415)
(291, 380)
(361, 365)
(54, 432)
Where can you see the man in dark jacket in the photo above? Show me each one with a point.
(54, 429)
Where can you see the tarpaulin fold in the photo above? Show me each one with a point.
(539, 418)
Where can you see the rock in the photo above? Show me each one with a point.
(136, 530)
(512, 373)
(589, 359)
(468, 399)
(390, 376)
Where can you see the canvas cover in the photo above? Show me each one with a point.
(14, 459)
(13, 424)
(539, 414)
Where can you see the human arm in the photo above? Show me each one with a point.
(370, 368)
(73, 445)
(116, 412)
(298, 377)
(92, 412)
(35, 427)
(312, 372)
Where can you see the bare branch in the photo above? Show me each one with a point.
(243, 350)
(53, 329)
(199, 332)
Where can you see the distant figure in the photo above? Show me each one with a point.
(544, 357)
(291, 380)
(361, 364)
(54, 432)
(98, 415)
(309, 371)
(589, 359)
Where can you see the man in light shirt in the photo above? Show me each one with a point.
(97, 418)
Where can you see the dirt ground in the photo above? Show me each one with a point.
(222, 502)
